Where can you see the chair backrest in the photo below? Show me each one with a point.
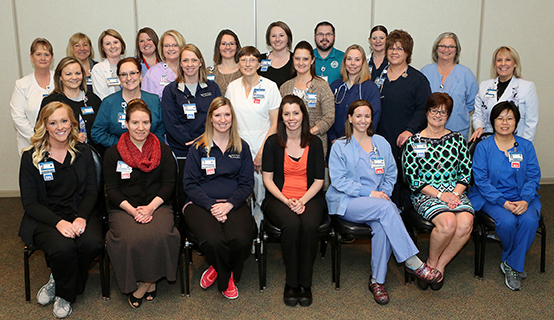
(177, 208)
(101, 206)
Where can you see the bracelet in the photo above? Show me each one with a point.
(439, 195)
(456, 193)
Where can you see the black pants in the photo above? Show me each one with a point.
(69, 259)
(225, 245)
(299, 237)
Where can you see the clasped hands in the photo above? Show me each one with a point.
(72, 229)
(296, 205)
(516, 207)
(143, 214)
(451, 200)
(220, 210)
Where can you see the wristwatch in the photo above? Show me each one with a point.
(456, 193)
(439, 195)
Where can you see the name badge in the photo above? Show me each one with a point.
(379, 81)
(312, 99)
(46, 167)
(259, 93)
(490, 92)
(89, 81)
(163, 80)
(515, 159)
(121, 119)
(211, 77)
(112, 81)
(378, 163)
(123, 167)
(420, 149)
(125, 175)
(87, 110)
(208, 163)
(266, 63)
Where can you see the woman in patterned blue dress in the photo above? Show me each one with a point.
(438, 169)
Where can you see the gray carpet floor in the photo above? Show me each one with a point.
(462, 297)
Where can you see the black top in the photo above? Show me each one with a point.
(274, 161)
(142, 187)
(92, 100)
(281, 75)
(376, 72)
(501, 87)
(71, 194)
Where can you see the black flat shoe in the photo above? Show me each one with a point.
(150, 296)
(422, 284)
(437, 285)
(135, 302)
(305, 296)
(290, 297)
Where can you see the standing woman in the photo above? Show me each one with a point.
(507, 86)
(313, 90)
(225, 70)
(355, 84)
(404, 93)
(185, 105)
(363, 173)
(80, 47)
(438, 170)
(57, 180)
(142, 242)
(103, 74)
(277, 65)
(146, 48)
(110, 122)
(293, 173)
(70, 88)
(217, 212)
(164, 72)
(256, 100)
(448, 76)
(377, 59)
(30, 90)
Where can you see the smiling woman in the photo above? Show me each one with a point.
(80, 47)
(104, 77)
(277, 64)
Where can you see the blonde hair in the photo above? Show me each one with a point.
(178, 38)
(58, 85)
(206, 139)
(113, 33)
(364, 72)
(202, 73)
(74, 40)
(40, 143)
(513, 53)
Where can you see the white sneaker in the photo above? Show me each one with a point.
(47, 293)
(62, 308)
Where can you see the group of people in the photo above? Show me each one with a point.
(262, 127)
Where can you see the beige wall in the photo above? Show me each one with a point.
(482, 26)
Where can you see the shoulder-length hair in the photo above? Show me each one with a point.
(305, 134)
(113, 33)
(348, 128)
(501, 106)
(512, 53)
(364, 73)
(446, 35)
(178, 38)
(306, 46)
(217, 54)
(202, 73)
(405, 40)
(74, 40)
(206, 139)
(58, 85)
(152, 34)
(285, 28)
(40, 143)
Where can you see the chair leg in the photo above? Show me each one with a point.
(323, 247)
(181, 272)
(101, 265)
(333, 257)
(264, 258)
(187, 262)
(543, 246)
(27, 276)
(257, 250)
(483, 241)
(337, 267)
(477, 238)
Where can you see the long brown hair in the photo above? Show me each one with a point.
(305, 135)
(206, 139)
(348, 128)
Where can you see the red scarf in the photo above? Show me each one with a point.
(145, 161)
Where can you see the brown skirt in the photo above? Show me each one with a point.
(142, 252)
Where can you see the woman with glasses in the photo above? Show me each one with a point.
(110, 123)
(438, 170)
(164, 72)
(103, 74)
(448, 76)
(507, 86)
(225, 70)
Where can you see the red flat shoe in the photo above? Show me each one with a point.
(426, 273)
(380, 295)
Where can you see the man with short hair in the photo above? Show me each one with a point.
(327, 58)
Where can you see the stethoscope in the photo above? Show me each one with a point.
(345, 86)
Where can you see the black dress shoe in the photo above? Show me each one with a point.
(290, 297)
(305, 296)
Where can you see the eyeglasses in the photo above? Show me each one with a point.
(397, 49)
(321, 34)
(125, 75)
(167, 46)
(442, 47)
(507, 119)
(437, 112)
(230, 44)
(245, 60)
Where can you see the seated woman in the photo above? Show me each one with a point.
(70, 88)
(438, 169)
(218, 178)
(110, 122)
(58, 191)
(142, 242)
(363, 173)
(293, 169)
(507, 174)
(313, 90)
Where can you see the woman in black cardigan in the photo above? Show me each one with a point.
(293, 170)
(57, 180)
